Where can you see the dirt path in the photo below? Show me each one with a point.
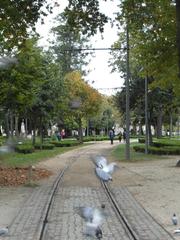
(155, 184)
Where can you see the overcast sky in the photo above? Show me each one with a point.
(100, 76)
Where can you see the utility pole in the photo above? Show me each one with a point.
(127, 94)
(146, 115)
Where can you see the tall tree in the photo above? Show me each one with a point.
(16, 17)
(86, 99)
(152, 28)
(66, 46)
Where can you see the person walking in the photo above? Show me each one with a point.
(111, 135)
(120, 136)
(124, 136)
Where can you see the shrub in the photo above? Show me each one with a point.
(65, 143)
(141, 140)
(47, 146)
(24, 148)
(169, 150)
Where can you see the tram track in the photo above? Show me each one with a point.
(57, 218)
(131, 235)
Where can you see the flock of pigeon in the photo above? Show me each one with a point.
(95, 217)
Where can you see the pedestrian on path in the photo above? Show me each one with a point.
(111, 135)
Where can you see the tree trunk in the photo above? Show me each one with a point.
(16, 125)
(87, 133)
(7, 124)
(150, 134)
(159, 124)
(80, 130)
(34, 133)
(11, 123)
(41, 133)
(170, 125)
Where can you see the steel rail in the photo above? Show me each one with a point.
(40, 234)
(49, 202)
(119, 212)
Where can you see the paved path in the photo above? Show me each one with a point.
(77, 190)
(64, 223)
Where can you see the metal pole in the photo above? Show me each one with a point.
(146, 115)
(127, 95)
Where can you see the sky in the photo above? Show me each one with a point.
(100, 76)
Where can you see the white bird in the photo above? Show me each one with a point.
(102, 163)
(94, 219)
(103, 175)
(103, 169)
(4, 231)
(177, 231)
(174, 219)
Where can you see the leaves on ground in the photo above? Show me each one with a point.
(20, 176)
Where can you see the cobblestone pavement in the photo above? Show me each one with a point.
(80, 187)
(141, 222)
(64, 223)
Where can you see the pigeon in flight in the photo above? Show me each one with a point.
(94, 219)
(174, 219)
(4, 231)
(103, 169)
(9, 146)
(103, 175)
(177, 231)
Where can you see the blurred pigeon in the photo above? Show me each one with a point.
(102, 174)
(174, 219)
(177, 231)
(102, 163)
(94, 219)
(99, 161)
(103, 169)
(4, 231)
(5, 62)
(8, 147)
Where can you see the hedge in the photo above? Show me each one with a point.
(24, 148)
(65, 143)
(47, 146)
(173, 150)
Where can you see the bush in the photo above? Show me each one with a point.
(47, 146)
(169, 150)
(24, 148)
(97, 138)
(141, 140)
(65, 143)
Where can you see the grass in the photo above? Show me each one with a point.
(23, 160)
(119, 154)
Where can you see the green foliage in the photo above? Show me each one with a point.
(141, 140)
(21, 159)
(165, 150)
(66, 143)
(44, 146)
(65, 41)
(160, 146)
(17, 17)
(85, 16)
(152, 33)
(24, 148)
(119, 154)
